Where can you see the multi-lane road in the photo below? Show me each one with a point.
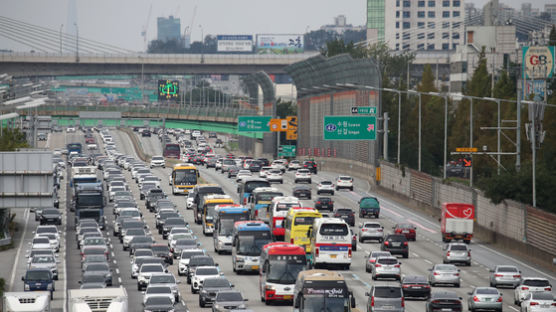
(424, 252)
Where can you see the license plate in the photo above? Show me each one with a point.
(405, 231)
(417, 287)
(388, 307)
(396, 244)
(333, 256)
(288, 297)
(446, 309)
(545, 305)
(254, 267)
(487, 299)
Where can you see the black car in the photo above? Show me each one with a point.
(264, 162)
(138, 242)
(163, 251)
(159, 304)
(416, 286)
(396, 244)
(345, 214)
(255, 166)
(311, 165)
(302, 191)
(152, 196)
(171, 223)
(324, 203)
(210, 287)
(146, 133)
(161, 218)
(444, 301)
(51, 216)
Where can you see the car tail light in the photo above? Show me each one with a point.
(406, 286)
(405, 243)
(499, 299)
(349, 252)
(372, 260)
(245, 201)
(448, 254)
(524, 288)
(378, 265)
(548, 289)
(456, 274)
(364, 230)
(403, 302)
(316, 251)
(386, 243)
(476, 299)
(435, 273)
(372, 301)
(517, 276)
(469, 253)
(554, 304)
(396, 265)
(499, 275)
(533, 303)
(318, 202)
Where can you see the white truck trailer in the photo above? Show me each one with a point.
(28, 301)
(98, 300)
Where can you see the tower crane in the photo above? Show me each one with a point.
(146, 27)
(189, 29)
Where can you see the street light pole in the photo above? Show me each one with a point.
(61, 26)
(76, 42)
(471, 141)
(399, 122)
(419, 157)
(202, 45)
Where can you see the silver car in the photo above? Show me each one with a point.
(166, 279)
(444, 274)
(371, 259)
(457, 253)
(45, 262)
(371, 231)
(387, 267)
(386, 298)
(484, 298)
(505, 275)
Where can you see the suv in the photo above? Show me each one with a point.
(385, 297)
(387, 267)
(324, 203)
(302, 175)
(396, 244)
(457, 253)
(325, 187)
(529, 285)
(311, 165)
(345, 214)
(39, 279)
(345, 182)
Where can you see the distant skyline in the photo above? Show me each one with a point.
(120, 22)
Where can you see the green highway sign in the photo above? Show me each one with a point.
(287, 150)
(349, 128)
(363, 110)
(253, 123)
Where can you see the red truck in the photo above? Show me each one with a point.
(457, 222)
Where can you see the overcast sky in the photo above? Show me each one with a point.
(119, 22)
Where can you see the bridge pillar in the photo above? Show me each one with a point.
(258, 148)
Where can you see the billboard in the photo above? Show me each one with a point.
(538, 62)
(234, 43)
(168, 89)
(280, 44)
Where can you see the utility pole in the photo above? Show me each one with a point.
(61, 26)
(76, 42)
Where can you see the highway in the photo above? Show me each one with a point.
(424, 252)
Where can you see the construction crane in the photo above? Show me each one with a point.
(189, 29)
(146, 27)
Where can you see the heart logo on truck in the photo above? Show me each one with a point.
(468, 213)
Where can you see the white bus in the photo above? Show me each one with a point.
(330, 243)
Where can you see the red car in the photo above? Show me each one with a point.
(406, 229)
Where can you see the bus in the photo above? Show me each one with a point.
(298, 223)
(249, 237)
(171, 150)
(209, 203)
(184, 178)
(259, 200)
(330, 243)
(247, 186)
(226, 216)
(278, 211)
(74, 147)
(322, 290)
(280, 264)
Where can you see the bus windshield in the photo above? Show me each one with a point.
(252, 246)
(185, 177)
(266, 198)
(226, 227)
(283, 269)
(303, 221)
(321, 303)
(250, 186)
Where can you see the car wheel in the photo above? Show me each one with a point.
(360, 239)
(138, 287)
(374, 278)
(201, 302)
(405, 255)
(332, 193)
(380, 240)
(52, 295)
(457, 285)
(367, 269)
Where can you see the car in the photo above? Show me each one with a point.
(294, 165)
(396, 244)
(211, 286)
(279, 164)
(232, 171)
(39, 280)
(183, 263)
(145, 273)
(42, 136)
(158, 161)
(162, 251)
(51, 216)
(444, 274)
(371, 259)
(344, 182)
(274, 175)
(183, 244)
(369, 206)
(52, 239)
(444, 301)
(129, 234)
(242, 174)
(202, 272)
(264, 170)
(228, 300)
(371, 231)
(505, 275)
(302, 175)
(198, 261)
(302, 191)
(385, 298)
(325, 187)
(386, 267)
(140, 242)
(100, 269)
(152, 197)
(146, 133)
(345, 214)
(538, 301)
(159, 303)
(40, 242)
(90, 259)
(484, 298)
(416, 286)
(94, 250)
(311, 165)
(166, 279)
(528, 285)
(457, 253)
(45, 262)
(406, 229)
(37, 252)
(137, 262)
(324, 203)
(156, 290)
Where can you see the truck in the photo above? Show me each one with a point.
(456, 222)
(74, 147)
(89, 202)
(99, 299)
(84, 174)
(33, 301)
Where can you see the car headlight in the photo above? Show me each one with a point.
(49, 287)
(242, 306)
(240, 260)
(26, 287)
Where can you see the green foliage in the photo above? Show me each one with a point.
(552, 37)
(316, 40)
(337, 46)
(177, 47)
(285, 108)
(504, 88)
(12, 139)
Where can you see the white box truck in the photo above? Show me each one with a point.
(100, 299)
(29, 301)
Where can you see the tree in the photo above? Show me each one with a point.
(285, 108)
(552, 37)
(337, 46)
(12, 139)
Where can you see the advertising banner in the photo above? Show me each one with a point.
(234, 43)
(280, 44)
(538, 62)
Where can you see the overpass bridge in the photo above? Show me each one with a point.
(47, 64)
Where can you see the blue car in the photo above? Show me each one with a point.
(38, 280)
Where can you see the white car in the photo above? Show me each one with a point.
(243, 174)
(92, 146)
(201, 273)
(40, 242)
(145, 273)
(156, 290)
(539, 301)
(279, 164)
(294, 165)
(302, 175)
(158, 161)
(325, 187)
(529, 285)
(185, 256)
(70, 129)
(52, 239)
(275, 175)
(344, 182)
(264, 171)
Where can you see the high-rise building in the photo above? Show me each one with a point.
(551, 9)
(526, 8)
(416, 24)
(168, 29)
(340, 26)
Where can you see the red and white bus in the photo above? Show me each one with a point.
(278, 211)
(280, 264)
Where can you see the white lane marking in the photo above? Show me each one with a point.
(513, 308)
(183, 303)
(487, 269)
(117, 271)
(26, 216)
(114, 261)
(112, 253)
(428, 261)
(120, 280)
(415, 255)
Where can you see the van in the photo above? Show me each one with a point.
(330, 242)
(386, 297)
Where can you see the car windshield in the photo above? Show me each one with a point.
(284, 269)
(387, 261)
(41, 240)
(201, 261)
(95, 258)
(159, 300)
(38, 275)
(151, 268)
(326, 183)
(507, 269)
(142, 239)
(206, 271)
(158, 290)
(158, 158)
(143, 253)
(415, 280)
(229, 296)
(542, 295)
(372, 225)
(216, 283)
(250, 246)
(51, 211)
(94, 241)
(186, 242)
(189, 254)
(135, 232)
(445, 267)
(97, 267)
(166, 279)
(388, 292)
(459, 247)
(487, 291)
(93, 279)
(160, 249)
(43, 259)
(325, 304)
(536, 283)
(130, 213)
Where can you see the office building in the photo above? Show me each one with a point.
(168, 29)
(551, 10)
(340, 26)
